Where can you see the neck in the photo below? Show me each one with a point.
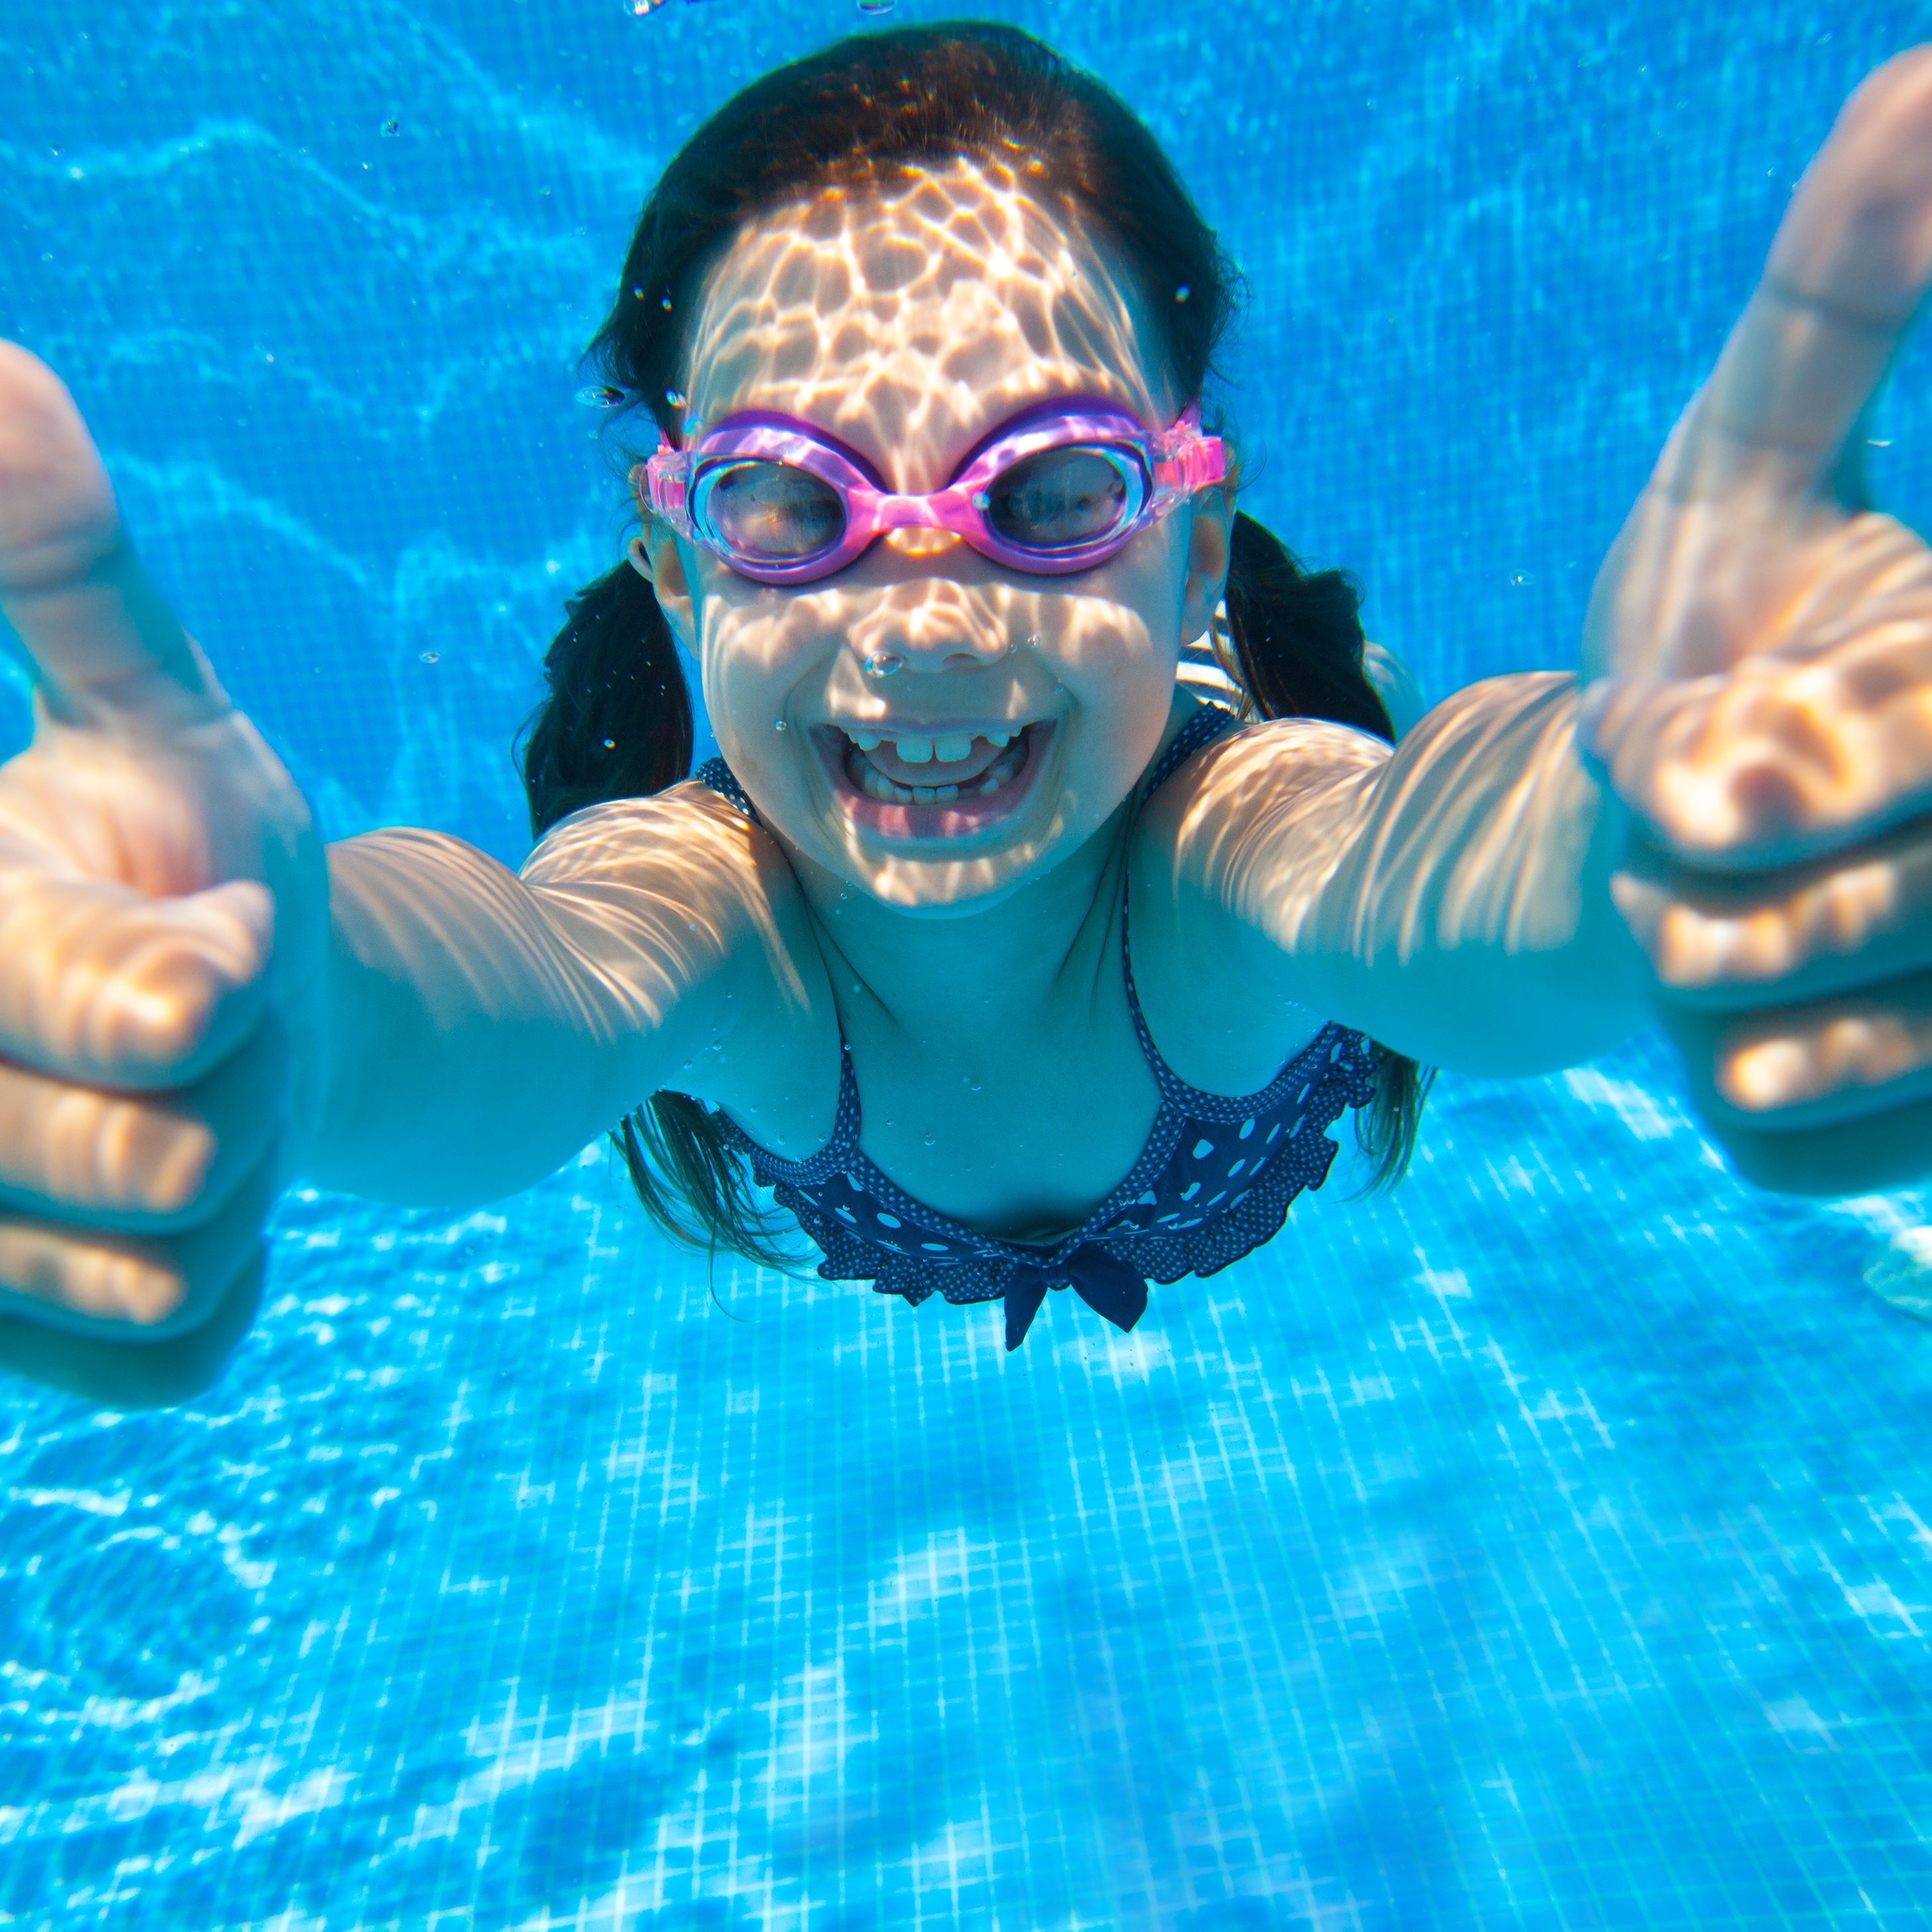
(1001, 967)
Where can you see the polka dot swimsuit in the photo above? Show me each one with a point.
(1216, 1179)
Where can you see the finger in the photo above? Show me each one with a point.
(1749, 941)
(140, 1373)
(134, 1164)
(105, 645)
(1814, 1065)
(1848, 270)
(100, 984)
(1822, 727)
(89, 1283)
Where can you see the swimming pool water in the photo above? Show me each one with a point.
(1547, 1546)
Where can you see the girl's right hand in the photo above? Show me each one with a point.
(163, 928)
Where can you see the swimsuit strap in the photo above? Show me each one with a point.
(1210, 722)
(719, 776)
(839, 1155)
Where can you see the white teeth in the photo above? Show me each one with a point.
(948, 750)
(875, 784)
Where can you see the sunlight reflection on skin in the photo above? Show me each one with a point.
(907, 318)
(1766, 647)
(1771, 638)
(115, 979)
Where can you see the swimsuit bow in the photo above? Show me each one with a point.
(1102, 1280)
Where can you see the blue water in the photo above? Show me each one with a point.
(1547, 1546)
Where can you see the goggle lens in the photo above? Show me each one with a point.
(773, 512)
(1058, 498)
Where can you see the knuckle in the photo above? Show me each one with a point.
(93, 988)
(162, 1025)
(177, 1183)
(124, 1282)
(154, 1164)
(1766, 1075)
(1852, 1053)
(88, 1153)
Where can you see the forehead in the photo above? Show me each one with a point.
(910, 316)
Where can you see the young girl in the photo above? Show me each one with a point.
(1011, 963)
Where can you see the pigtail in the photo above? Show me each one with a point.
(617, 723)
(1296, 635)
(1296, 643)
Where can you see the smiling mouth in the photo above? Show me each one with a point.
(934, 786)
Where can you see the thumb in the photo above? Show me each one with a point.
(102, 644)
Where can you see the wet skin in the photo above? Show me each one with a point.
(194, 1005)
(970, 954)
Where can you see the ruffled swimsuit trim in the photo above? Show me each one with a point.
(1216, 1179)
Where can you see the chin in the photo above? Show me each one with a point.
(923, 886)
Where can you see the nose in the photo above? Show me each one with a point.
(930, 640)
(917, 542)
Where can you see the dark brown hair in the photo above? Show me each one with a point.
(617, 722)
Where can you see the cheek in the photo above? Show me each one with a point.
(1120, 644)
(754, 650)
(765, 662)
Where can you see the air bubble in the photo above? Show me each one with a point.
(610, 744)
(429, 657)
(676, 400)
(778, 725)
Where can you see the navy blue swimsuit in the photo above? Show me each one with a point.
(1216, 1179)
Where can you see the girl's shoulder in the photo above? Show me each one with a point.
(1217, 768)
(1219, 836)
(684, 894)
(688, 842)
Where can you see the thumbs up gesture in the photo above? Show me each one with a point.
(164, 923)
(1761, 645)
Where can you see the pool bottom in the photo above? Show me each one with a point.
(1545, 1545)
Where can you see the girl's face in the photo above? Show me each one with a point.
(909, 323)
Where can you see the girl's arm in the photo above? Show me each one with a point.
(1450, 897)
(486, 1024)
(1761, 642)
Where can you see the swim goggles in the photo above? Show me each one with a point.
(1061, 487)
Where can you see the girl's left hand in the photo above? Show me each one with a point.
(1761, 644)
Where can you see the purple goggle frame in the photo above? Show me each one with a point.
(1158, 468)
